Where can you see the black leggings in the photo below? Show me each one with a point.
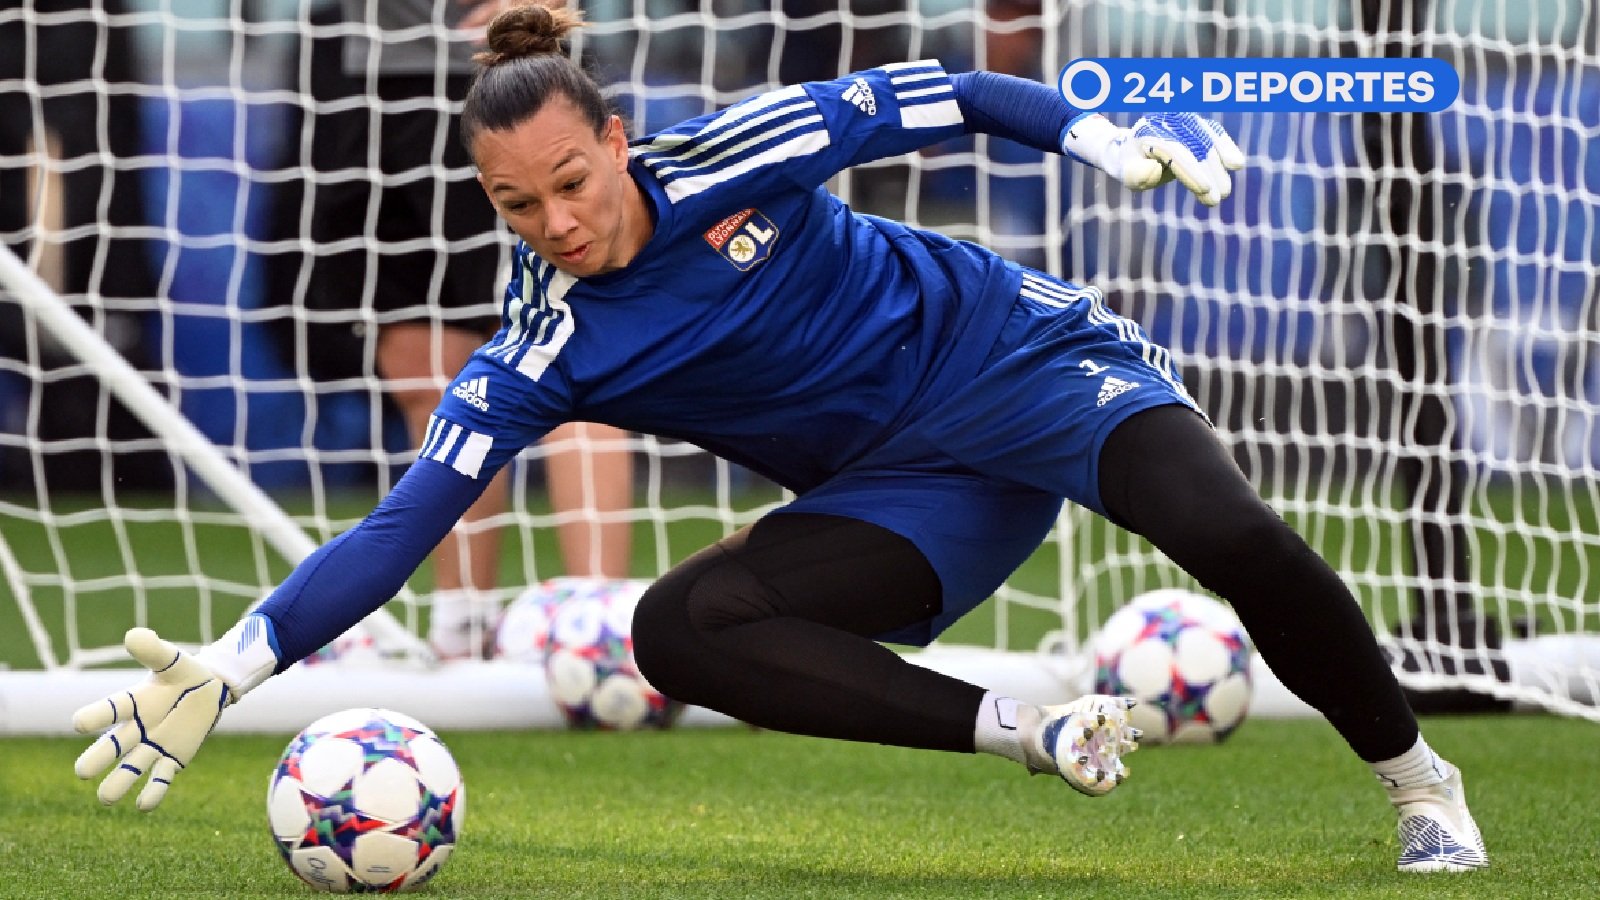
(773, 625)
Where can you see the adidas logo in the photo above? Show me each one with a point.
(860, 93)
(475, 392)
(1112, 388)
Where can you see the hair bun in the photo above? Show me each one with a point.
(530, 30)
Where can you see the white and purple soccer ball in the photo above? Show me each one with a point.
(589, 666)
(1185, 657)
(522, 633)
(366, 801)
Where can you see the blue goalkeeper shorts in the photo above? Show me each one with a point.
(977, 483)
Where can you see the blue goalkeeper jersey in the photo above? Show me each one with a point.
(765, 320)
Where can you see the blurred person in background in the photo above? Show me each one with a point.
(69, 193)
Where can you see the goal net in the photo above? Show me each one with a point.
(1392, 322)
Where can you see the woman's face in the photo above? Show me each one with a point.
(564, 189)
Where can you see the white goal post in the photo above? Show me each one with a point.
(1394, 323)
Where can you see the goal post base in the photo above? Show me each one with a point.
(498, 694)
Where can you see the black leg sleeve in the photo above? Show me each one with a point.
(1165, 475)
(773, 626)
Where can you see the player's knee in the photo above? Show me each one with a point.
(678, 620)
(664, 643)
(727, 595)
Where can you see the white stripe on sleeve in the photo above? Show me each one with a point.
(470, 460)
(713, 147)
(925, 92)
(434, 427)
(931, 115)
(803, 145)
(442, 448)
(913, 64)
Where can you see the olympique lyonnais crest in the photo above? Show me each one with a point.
(744, 238)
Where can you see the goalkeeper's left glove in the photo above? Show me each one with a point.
(160, 723)
(1158, 148)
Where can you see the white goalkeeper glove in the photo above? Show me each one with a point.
(1158, 148)
(157, 725)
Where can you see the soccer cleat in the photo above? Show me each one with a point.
(1437, 833)
(1086, 739)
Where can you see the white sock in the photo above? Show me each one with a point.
(1005, 727)
(1416, 768)
(460, 621)
(996, 729)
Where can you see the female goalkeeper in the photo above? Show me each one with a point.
(930, 403)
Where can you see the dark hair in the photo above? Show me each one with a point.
(524, 66)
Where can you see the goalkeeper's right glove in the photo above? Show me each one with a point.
(160, 723)
(1158, 148)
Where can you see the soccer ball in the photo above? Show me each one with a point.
(589, 664)
(523, 632)
(366, 800)
(1187, 660)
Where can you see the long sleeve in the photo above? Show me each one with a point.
(1017, 109)
(361, 569)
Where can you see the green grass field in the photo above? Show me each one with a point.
(1281, 810)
